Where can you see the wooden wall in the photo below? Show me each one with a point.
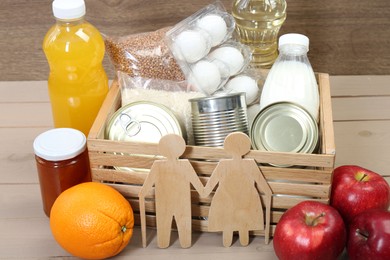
(347, 37)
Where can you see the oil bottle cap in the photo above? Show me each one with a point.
(59, 144)
(68, 9)
(294, 38)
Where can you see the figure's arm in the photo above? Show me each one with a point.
(194, 180)
(149, 181)
(264, 187)
(260, 180)
(212, 182)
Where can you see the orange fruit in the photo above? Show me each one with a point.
(92, 221)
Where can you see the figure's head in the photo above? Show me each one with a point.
(172, 146)
(237, 143)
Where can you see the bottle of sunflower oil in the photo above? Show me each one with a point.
(77, 82)
(257, 24)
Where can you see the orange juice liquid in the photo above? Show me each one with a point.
(77, 82)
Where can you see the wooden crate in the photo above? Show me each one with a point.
(311, 181)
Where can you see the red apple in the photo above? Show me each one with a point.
(355, 189)
(369, 236)
(310, 230)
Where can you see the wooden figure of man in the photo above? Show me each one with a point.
(236, 205)
(172, 178)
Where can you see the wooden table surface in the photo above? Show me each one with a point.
(361, 112)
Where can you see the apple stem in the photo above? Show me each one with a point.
(362, 178)
(313, 222)
(362, 234)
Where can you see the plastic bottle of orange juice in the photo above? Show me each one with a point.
(77, 82)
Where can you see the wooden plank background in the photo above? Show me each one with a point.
(347, 37)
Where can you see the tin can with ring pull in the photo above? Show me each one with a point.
(142, 121)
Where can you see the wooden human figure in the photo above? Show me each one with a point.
(172, 178)
(236, 204)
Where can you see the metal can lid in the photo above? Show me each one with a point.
(59, 144)
(220, 103)
(284, 127)
(142, 121)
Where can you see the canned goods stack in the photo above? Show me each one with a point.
(213, 118)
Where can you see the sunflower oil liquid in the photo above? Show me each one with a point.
(257, 25)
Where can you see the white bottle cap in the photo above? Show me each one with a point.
(294, 38)
(59, 144)
(68, 9)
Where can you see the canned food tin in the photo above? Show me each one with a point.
(213, 118)
(284, 127)
(142, 121)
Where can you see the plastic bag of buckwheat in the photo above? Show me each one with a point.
(143, 55)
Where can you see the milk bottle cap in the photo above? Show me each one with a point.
(294, 38)
(68, 9)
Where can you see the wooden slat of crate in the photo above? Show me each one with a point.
(281, 187)
(200, 207)
(326, 116)
(290, 185)
(270, 173)
(211, 153)
(203, 210)
(114, 151)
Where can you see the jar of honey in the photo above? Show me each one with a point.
(62, 162)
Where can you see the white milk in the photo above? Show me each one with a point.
(291, 78)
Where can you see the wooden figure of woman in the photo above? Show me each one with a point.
(236, 204)
(172, 178)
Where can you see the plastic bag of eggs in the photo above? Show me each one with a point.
(204, 50)
(191, 39)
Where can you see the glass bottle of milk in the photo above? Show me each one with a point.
(291, 78)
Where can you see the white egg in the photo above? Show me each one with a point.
(205, 76)
(192, 45)
(245, 84)
(223, 68)
(216, 26)
(231, 56)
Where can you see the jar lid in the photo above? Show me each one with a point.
(68, 9)
(59, 144)
(294, 38)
